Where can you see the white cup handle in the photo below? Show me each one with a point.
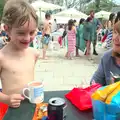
(24, 93)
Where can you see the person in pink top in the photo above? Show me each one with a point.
(71, 34)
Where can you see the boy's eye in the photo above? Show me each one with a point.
(21, 33)
(32, 33)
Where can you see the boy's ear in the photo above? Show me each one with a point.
(6, 28)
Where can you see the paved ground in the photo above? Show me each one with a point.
(61, 74)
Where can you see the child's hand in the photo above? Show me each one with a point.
(15, 100)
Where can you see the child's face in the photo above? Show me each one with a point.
(22, 36)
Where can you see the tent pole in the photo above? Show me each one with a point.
(40, 15)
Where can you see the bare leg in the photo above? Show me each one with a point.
(88, 50)
(77, 53)
(71, 55)
(66, 55)
(88, 47)
(44, 51)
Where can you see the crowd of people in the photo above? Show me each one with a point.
(87, 32)
(79, 36)
(109, 25)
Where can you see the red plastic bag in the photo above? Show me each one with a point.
(3, 110)
(81, 97)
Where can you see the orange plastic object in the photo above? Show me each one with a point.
(3, 110)
(40, 111)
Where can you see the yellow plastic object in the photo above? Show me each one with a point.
(102, 94)
(109, 98)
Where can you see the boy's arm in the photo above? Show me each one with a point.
(37, 55)
(13, 100)
(4, 98)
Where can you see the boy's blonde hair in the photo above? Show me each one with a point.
(18, 12)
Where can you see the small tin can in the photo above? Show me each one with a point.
(57, 109)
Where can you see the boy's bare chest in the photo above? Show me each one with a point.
(19, 65)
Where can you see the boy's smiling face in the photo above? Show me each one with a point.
(22, 36)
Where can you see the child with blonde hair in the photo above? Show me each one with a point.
(17, 59)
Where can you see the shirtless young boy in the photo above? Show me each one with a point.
(46, 33)
(17, 59)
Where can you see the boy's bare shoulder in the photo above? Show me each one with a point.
(1, 55)
(1, 59)
(35, 52)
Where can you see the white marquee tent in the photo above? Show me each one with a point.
(71, 13)
(102, 14)
(64, 20)
(41, 15)
(45, 6)
(61, 20)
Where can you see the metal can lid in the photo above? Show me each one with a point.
(57, 101)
